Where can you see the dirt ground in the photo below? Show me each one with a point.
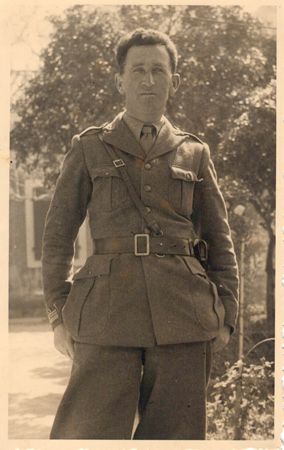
(38, 375)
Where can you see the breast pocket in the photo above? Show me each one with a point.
(109, 189)
(182, 182)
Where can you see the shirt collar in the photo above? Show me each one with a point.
(136, 125)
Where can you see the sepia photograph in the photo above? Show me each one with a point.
(142, 229)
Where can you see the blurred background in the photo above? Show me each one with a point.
(62, 76)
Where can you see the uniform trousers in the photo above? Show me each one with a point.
(107, 383)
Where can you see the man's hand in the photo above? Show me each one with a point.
(63, 341)
(222, 339)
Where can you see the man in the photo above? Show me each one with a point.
(143, 300)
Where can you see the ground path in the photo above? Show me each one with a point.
(38, 375)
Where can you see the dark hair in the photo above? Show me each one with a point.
(141, 36)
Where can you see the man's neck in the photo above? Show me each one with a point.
(135, 125)
(147, 117)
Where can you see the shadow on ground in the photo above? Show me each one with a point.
(31, 417)
(39, 375)
(40, 406)
(59, 374)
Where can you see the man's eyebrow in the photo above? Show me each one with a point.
(142, 64)
(159, 65)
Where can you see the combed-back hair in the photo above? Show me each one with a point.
(142, 36)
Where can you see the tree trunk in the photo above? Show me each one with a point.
(270, 281)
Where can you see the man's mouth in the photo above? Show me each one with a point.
(148, 93)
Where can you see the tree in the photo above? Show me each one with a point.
(72, 90)
(227, 63)
(251, 139)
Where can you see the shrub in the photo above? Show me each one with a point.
(241, 404)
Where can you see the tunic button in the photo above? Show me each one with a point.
(147, 188)
(148, 166)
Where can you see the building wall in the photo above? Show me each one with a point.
(29, 202)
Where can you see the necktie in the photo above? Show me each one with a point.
(147, 138)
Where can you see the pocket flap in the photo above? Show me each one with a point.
(194, 266)
(104, 171)
(95, 265)
(184, 174)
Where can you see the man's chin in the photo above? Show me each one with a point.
(147, 111)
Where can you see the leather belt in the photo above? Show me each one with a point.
(144, 244)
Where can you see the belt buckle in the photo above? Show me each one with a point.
(147, 243)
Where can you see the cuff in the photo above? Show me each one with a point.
(231, 313)
(54, 316)
(232, 328)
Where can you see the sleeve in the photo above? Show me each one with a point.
(66, 213)
(211, 222)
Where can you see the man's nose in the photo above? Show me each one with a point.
(148, 79)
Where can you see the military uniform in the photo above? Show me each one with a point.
(133, 304)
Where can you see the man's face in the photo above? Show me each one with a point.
(147, 81)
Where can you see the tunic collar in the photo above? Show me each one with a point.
(118, 134)
(135, 125)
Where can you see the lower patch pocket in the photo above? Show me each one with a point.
(208, 307)
(87, 308)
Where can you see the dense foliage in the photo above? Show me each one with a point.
(241, 405)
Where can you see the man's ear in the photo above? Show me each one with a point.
(119, 83)
(175, 84)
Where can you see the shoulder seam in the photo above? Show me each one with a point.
(76, 139)
(186, 133)
(92, 130)
(195, 137)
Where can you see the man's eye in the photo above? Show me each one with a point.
(138, 70)
(158, 70)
